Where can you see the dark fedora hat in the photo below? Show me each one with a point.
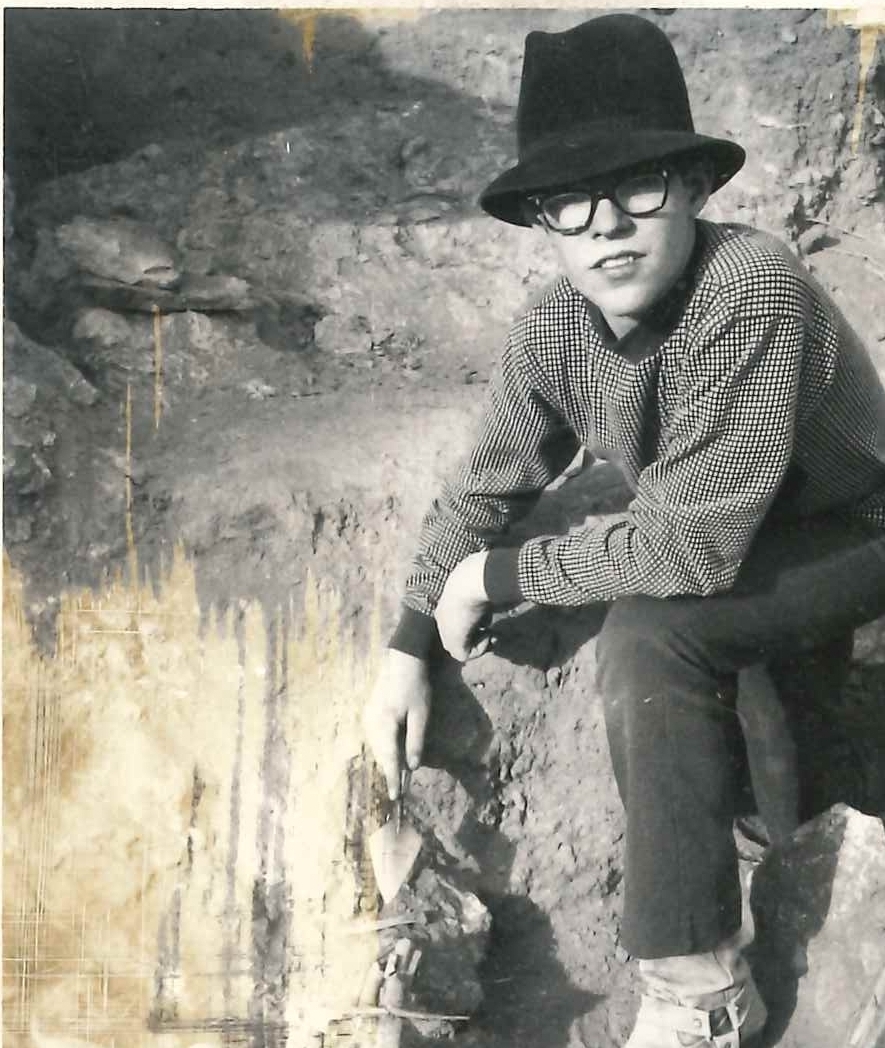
(602, 96)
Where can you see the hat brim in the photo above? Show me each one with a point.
(558, 164)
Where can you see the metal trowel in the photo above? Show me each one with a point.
(394, 848)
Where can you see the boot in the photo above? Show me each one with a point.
(704, 1000)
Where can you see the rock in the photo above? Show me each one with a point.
(257, 390)
(119, 249)
(217, 292)
(814, 239)
(204, 293)
(110, 344)
(18, 396)
(30, 362)
(452, 933)
(819, 902)
(342, 336)
(116, 346)
(104, 329)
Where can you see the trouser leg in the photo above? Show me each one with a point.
(667, 672)
(809, 687)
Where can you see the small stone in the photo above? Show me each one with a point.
(554, 677)
(342, 336)
(805, 176)
(812, 240)
(789, 36)
(523, 764)
(258, 390)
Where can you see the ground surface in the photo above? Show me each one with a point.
(333, 163)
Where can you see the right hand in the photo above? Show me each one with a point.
(398, 708)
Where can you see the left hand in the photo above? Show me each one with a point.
(462, 608)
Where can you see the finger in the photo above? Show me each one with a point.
(453, 642)
(416, 728)
(382, 735)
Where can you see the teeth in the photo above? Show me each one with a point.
(617, 263)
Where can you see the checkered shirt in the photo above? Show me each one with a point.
(744, 390)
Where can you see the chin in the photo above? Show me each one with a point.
(626, 307)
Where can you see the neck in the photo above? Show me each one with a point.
(620, 326)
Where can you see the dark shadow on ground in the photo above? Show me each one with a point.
(529, 997)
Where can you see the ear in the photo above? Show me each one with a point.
(698, 180)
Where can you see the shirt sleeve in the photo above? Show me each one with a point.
(726, 450)
(524, 443)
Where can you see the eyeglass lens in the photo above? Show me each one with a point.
(637, 195)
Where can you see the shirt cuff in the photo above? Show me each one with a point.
(501, 576)
(416, 634)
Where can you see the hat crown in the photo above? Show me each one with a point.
(613, 72)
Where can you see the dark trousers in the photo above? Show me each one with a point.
(667, 670)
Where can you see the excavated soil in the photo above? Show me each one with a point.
(237, 476)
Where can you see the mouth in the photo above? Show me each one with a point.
(620, 260)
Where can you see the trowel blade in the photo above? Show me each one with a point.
(393, 856)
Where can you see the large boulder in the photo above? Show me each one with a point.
(819, 901)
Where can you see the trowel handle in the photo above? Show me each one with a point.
(403, 786)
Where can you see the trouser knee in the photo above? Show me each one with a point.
(655, 682)
(648, 645)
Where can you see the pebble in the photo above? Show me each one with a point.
(812, 240)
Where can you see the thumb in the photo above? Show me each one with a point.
(416, 728)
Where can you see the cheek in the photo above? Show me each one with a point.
(570, 253)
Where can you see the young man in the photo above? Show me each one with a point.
(750, 423)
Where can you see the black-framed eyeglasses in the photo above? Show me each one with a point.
(570, 211)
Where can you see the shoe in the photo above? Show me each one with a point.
(706, 1000)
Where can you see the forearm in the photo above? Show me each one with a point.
(522, 445)
(662, 553)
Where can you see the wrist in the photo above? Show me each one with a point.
(501, 576)
(416, 635)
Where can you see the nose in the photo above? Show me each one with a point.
(608, 218)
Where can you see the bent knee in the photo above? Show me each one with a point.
(643, 643)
